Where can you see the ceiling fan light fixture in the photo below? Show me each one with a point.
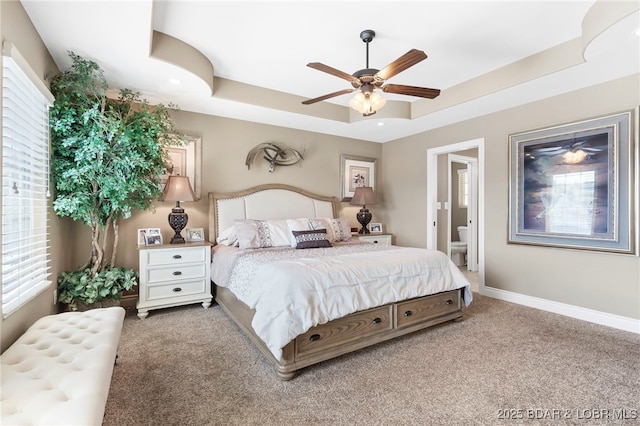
(367, 103)
(366, 80)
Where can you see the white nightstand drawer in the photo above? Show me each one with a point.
(376, 238)
(175, 273)
(175, 290)
(174, 256)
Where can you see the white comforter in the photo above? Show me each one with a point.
(293, 290)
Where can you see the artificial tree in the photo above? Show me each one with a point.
(107, 160)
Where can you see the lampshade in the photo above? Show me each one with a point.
(364, 195)
(178, 188)
(367, 102)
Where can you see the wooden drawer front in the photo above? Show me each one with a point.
(351, 327)
(173, 257)
(426, 308)
(175, 273)
(176, 290)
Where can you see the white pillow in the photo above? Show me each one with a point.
(340, 228)
(228, 237)
(262, 233)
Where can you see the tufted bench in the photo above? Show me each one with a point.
(59, 371)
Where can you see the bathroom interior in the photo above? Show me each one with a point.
(459, 215)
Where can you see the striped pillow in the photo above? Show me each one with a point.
(315, 238)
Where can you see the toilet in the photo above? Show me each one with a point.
(459, 248)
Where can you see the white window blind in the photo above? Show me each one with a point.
(463, 188)
(25, 188)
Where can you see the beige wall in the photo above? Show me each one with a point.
(17, 29)
(225, 144)
(600, 281)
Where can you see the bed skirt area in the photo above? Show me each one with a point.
(350, 333)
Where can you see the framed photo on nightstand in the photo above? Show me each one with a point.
(149, 237)
(154, 238)
(375, 227)
(195, 234)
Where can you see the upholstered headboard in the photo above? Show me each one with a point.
(271, 201)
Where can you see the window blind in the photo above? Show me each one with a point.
(25, 188)
(463, 188)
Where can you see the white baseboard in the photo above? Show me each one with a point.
(597, 317)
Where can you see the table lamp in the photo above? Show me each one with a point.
(178, 188)
(364, 195)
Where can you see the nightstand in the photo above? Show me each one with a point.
(377, 238)
(174, 275)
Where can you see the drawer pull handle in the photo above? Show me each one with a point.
(177, 273)
(177, 289)
(177, 256)
(377, 320)
(449, 302)
(408, 313)
(375, 242)
(314, 337)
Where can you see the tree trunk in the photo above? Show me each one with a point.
(105, 237)
(97, 250)
(116, 236)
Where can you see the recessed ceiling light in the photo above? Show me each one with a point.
(380, 123)
(174, 81)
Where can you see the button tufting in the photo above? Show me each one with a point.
(66, 359)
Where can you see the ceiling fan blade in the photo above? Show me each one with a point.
(421, 92)
(330, 95)
(329, 70)
(405, 61)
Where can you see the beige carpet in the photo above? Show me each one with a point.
(191, 366)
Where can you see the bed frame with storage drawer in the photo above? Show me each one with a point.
(350, 333)
(337, 337)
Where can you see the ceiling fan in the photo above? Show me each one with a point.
(368, 79)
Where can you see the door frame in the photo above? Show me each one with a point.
(432, 195)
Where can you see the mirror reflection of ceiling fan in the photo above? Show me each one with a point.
(367, 101)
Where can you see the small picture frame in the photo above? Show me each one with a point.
(144, 235)
(375, 227)
(195, 234)
(153, 239)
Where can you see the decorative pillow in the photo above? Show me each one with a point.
(337, 229)
(297, 225)
(340, 228)
(315, 238)
(262, 233)
(228, 237)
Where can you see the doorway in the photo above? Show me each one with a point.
(462, 196)
(434, 205)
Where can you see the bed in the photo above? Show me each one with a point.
(286, 270)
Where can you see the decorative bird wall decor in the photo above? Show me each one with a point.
(275, 154)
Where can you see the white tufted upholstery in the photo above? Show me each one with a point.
(59, 371)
